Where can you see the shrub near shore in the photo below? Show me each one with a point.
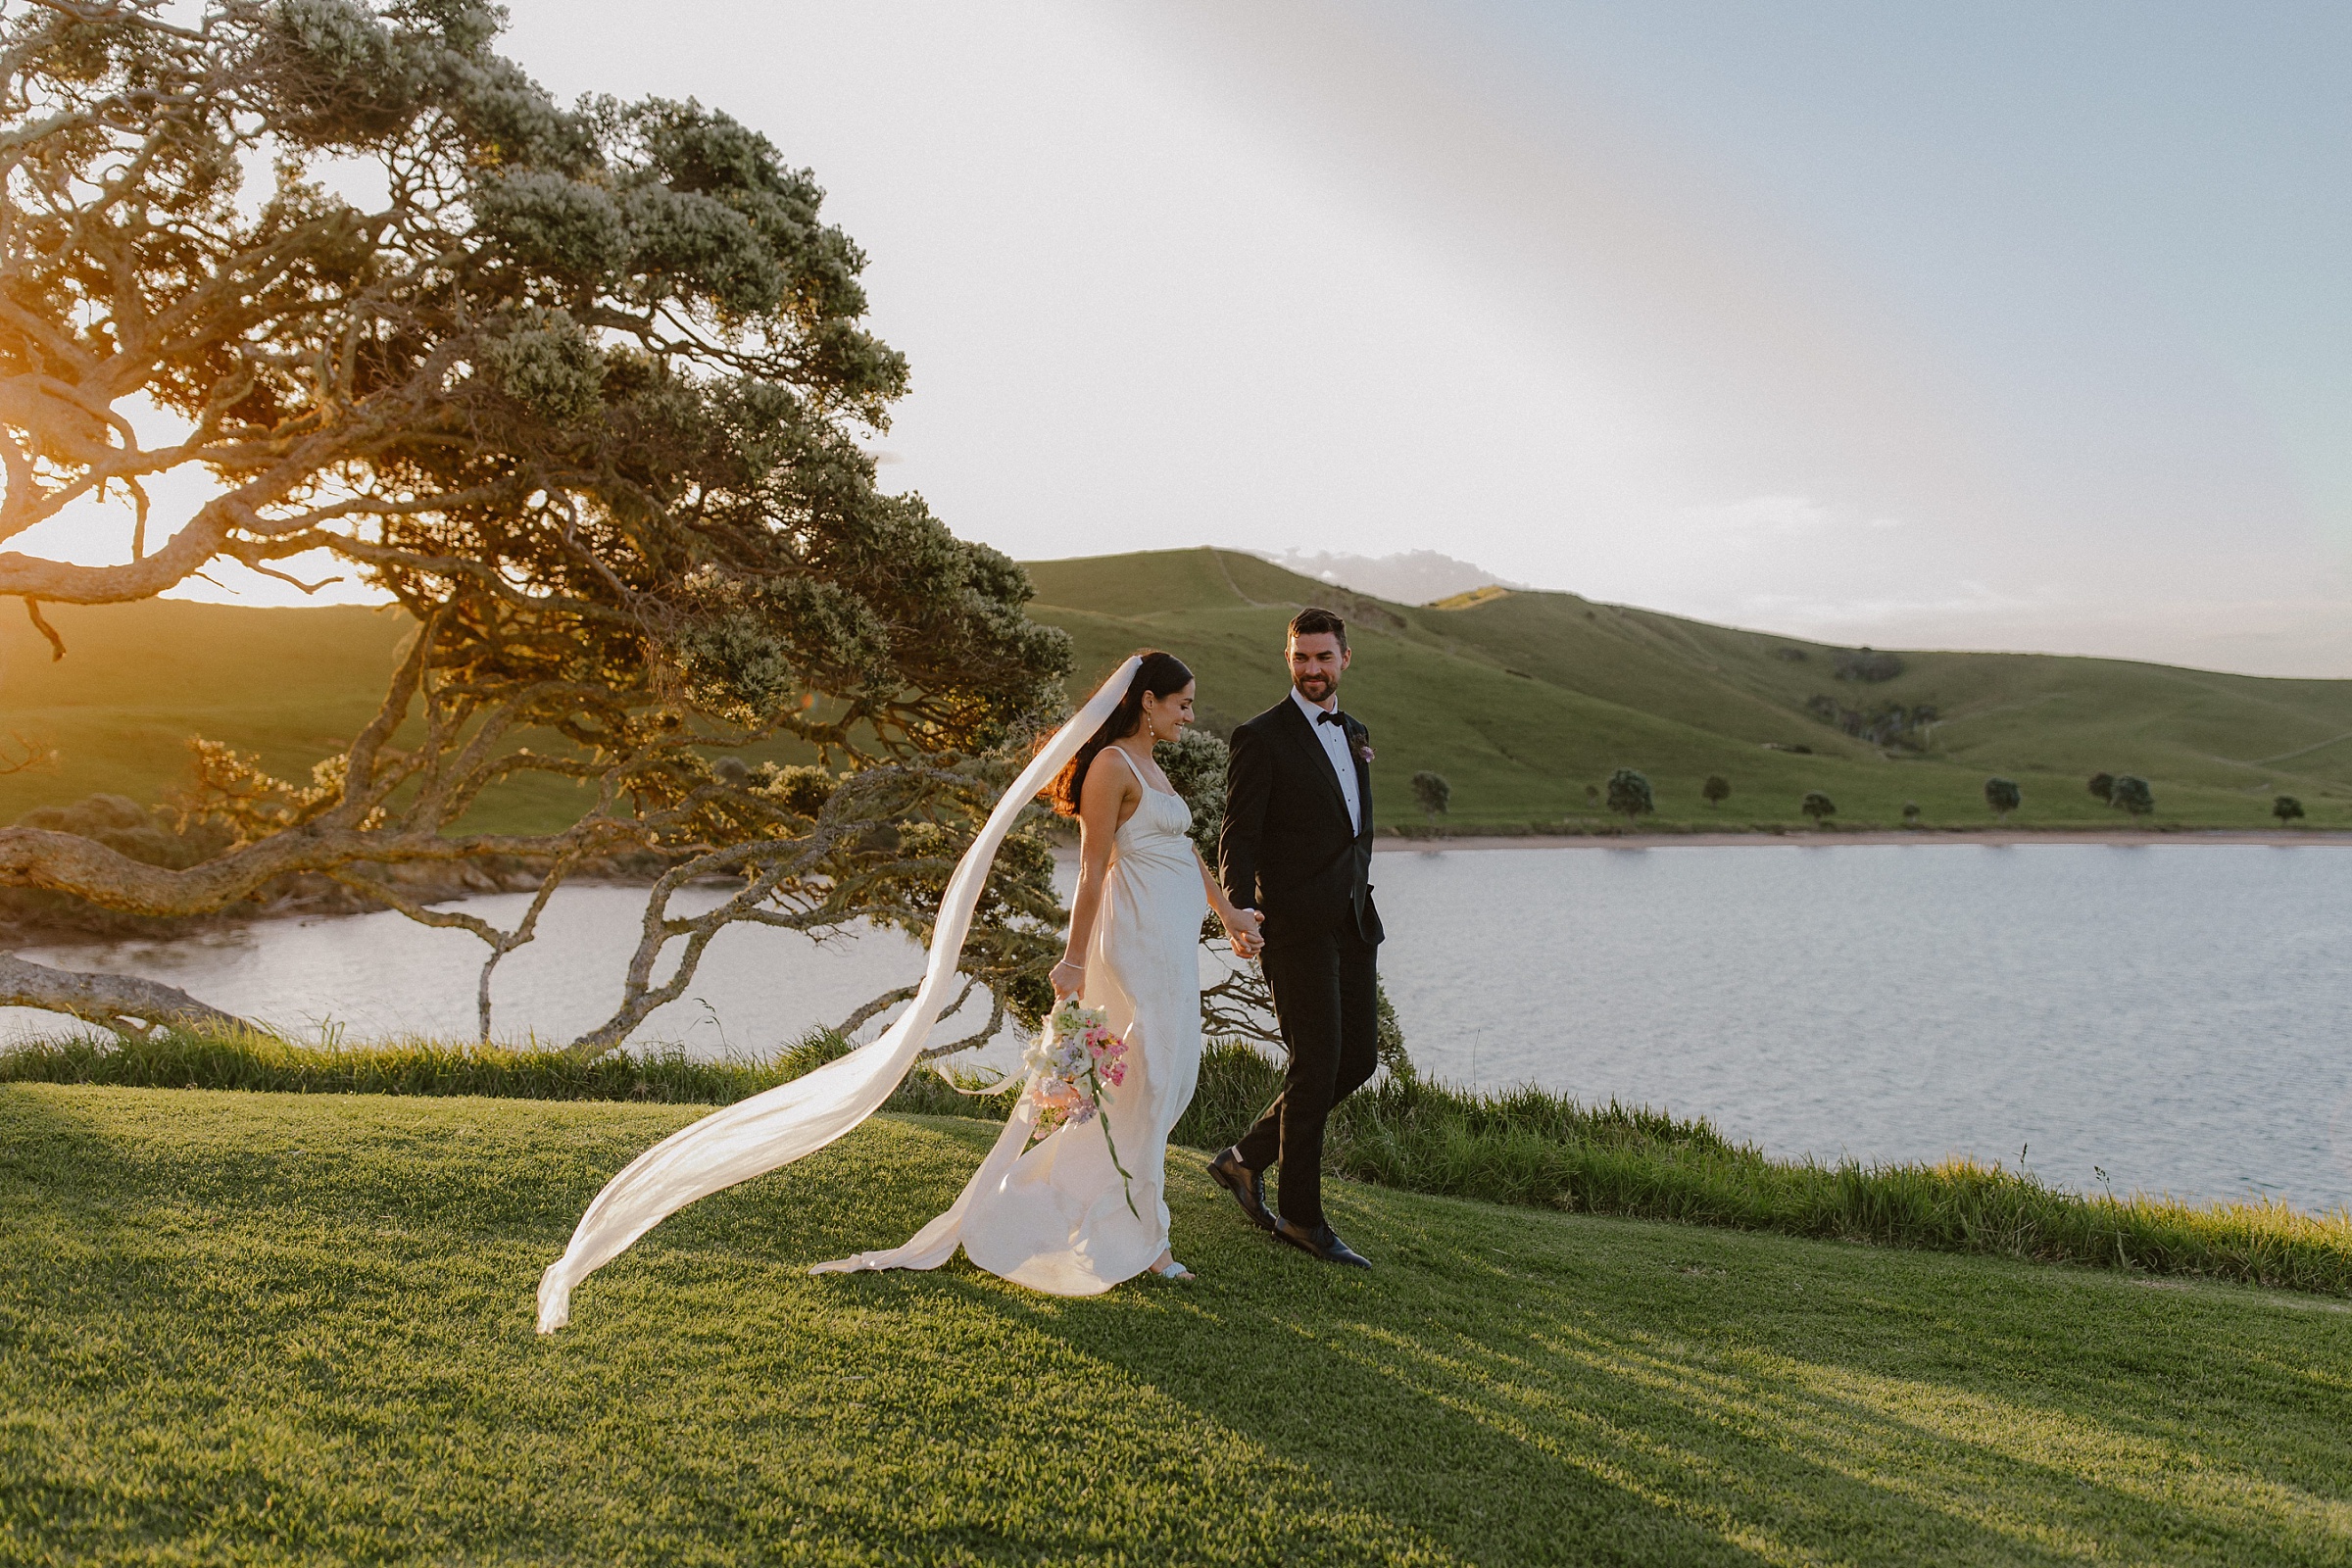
(1523, 1147)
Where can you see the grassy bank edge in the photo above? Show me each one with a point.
(1522, 1147)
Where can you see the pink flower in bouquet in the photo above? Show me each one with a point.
(1070, 1065)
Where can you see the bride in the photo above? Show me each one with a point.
(1060, 1217)
(1057, 1217)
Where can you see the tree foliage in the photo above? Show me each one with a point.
(1716, 790)
(1817, 805)
(2286, 808)
(1867, 664)
(2133, 795)
(1630, 793)
(2102, 786)
(1433, 795)
(2002, 796)
(1908, 725)
(581, 389)
(1195, 762)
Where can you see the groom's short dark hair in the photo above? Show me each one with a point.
(1315, 622)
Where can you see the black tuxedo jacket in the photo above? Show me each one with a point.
(1288, 850)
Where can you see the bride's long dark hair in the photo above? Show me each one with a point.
(1162, 676)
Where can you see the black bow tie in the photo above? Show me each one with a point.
(1332, 717)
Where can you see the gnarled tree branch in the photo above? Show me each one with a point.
(123, 1004)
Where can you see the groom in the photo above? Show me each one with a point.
(1298, 848)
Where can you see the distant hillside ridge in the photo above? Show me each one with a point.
(1526, 702)
(1410, 577)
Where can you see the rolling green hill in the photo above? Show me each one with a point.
(1523, 701)
(138, 680)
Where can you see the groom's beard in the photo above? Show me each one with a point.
(1316, 688)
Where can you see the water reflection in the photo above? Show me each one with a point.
(2177, 1014)
(375, 975)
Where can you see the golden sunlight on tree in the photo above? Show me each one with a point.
(579, 394)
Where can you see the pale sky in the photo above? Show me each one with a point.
(1996, 325)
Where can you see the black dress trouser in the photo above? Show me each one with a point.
(1326, 994)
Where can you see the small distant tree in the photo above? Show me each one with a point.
(1716, 790)
(1433, 795)
(2132, 794)
(1629, 796)
(1819, 806)
(2102, 785)
(2286, 808)
(1592, 795)
(2003, 796)
(1911, 813)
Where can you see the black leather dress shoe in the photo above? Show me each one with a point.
(1321, 1242)
(1246, 1185)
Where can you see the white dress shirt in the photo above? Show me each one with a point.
(1335, 746)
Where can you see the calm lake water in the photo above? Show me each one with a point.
(2178, 1015)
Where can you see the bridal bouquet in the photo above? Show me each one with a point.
(1072, 1062)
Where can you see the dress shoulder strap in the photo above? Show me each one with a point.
(1121, 752)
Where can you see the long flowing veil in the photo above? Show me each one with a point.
(754, 1136)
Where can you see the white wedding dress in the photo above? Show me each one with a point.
(1055, 1217)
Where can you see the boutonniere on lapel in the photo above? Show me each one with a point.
(1363, 743)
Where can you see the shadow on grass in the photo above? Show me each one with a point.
(1579, 1389)
(284, 1329)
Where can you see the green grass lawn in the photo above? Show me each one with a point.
(276, 1328)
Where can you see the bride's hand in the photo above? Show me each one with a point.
(1241, 931)
(1067, 979)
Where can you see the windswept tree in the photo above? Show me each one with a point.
(582, 390)
(2102, 787)
(1629, 796)
(2133, 795)
(1433, 795)
(2286, 808)
(1819, 806)
(2003, 796)
(1716, 790)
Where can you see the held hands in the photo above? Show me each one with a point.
(1242, 928)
